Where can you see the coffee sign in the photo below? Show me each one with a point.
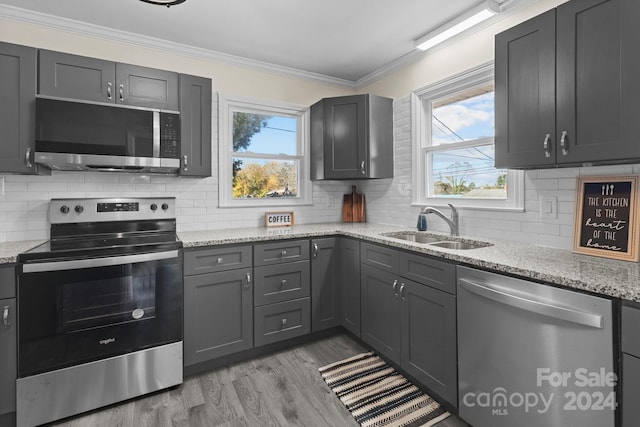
(606, 223)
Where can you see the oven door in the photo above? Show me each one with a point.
(76, 311)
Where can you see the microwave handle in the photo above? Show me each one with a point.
(185, 163)
(97, 262)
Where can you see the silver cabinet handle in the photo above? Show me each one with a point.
(395, 285)
(402, 292)
(543, 308)
(563, 143)
(283, 254)
(284, 322)
(315, 250)
(547, 145)
(5, 317)
(186, 162)
(248, 283)
(220, 260)
(362, 169)
(109, 90)
(27, 158)
(121, 93)
(283, 283)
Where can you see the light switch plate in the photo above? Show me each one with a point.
(548, 208)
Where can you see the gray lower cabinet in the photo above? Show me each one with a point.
(195, 126)
(349, 280)
(630, 366)
(218, 303)
(78, 77)
(409, 315)
(17, 109)
(282, 306)
(8, 342)
(325, 296)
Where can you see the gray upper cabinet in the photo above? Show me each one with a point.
(195, 126)
(78, 77)
(352, 138)
(595, 44)
(17, 109)
(325, 286)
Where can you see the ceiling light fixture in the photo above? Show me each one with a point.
(167, 3)
(462, 23)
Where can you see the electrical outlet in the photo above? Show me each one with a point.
(332, 200)
(548, 208)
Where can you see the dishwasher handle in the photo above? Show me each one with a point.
(539, 307)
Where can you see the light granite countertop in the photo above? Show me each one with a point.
(557, 266)
(599, 275)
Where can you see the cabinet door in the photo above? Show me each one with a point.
(147, 87)
(195, 126)
(218, 310)
(325, 286)
(525, 93)
(8, 355)
(429, 351)
(17, 109)
(345, 137)
(380, 311)
(76, 77)
(630, 390)
(597, 77)
(350, 281)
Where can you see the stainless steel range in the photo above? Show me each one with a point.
(99, 307)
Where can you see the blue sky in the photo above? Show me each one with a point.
(278, 137)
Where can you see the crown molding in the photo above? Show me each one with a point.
(91, 30)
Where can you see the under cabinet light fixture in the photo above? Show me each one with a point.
(465, 21)
(167, 3)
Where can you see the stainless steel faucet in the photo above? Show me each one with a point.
(453, 222)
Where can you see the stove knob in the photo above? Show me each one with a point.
(79, 208)
(64, 209)
(165, 206)
(154, 207)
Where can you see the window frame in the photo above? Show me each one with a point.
(231, 104)
(421, 102)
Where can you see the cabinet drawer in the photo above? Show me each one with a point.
(7, 282)
(202, 261)
(281, 321)
(630, 328)
(277, 283)
(428, 271)
(380, 257)
(279, 252)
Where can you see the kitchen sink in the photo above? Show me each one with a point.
(447, 242)
(459, 245)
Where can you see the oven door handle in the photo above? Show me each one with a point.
(97, 262)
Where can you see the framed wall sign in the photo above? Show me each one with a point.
(278, 219)
(606, 217)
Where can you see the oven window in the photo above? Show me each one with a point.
(127, 295)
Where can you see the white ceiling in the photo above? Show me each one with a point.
(338, 39)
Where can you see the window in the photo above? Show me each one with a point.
(454, 148)
(262, 154)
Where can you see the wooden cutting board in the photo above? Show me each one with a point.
(353, 206)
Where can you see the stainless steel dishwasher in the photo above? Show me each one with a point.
(533, 355)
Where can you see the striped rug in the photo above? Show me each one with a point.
(377, 395)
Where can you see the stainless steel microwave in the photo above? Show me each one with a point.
(75, 135)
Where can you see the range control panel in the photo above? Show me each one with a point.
(63, 211)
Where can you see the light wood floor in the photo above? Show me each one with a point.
(282, 389)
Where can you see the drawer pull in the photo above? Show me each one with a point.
(284, 322)
(5, 317)
(284, 253)
(220, 260)
(283, 283)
